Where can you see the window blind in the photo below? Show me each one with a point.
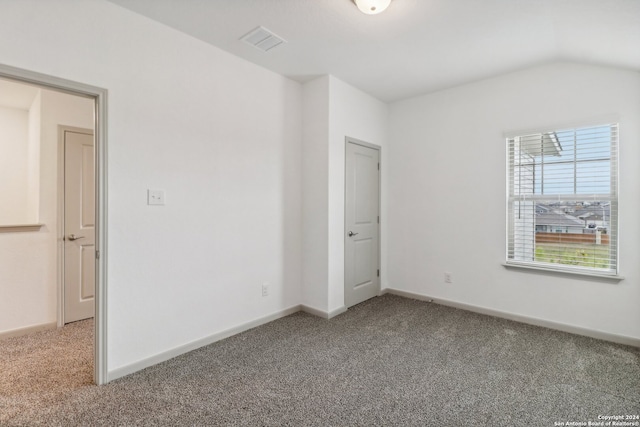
(562, 199)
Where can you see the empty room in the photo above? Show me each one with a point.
(320, 212)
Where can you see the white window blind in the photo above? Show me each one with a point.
(562, 199)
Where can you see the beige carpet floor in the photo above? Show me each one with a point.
(41, 369)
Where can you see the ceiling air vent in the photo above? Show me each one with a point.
(263, 39)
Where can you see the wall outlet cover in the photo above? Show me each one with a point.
(155, 197)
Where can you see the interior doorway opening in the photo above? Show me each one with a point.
(49, 89)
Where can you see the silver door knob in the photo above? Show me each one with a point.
(351, 234)
(73, 237)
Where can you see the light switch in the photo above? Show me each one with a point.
(155, 197)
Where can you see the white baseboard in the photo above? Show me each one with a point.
(337, 311)
(170, 354)
(314, 311)
(193, 345)
(578, 330)
(322, 313)
(28, 330)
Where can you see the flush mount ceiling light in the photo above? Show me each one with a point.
(372, 7)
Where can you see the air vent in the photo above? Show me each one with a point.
(262, 39)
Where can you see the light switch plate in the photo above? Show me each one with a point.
(155, 197)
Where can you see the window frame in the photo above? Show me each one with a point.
(612, 198)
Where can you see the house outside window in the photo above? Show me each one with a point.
(562, 204)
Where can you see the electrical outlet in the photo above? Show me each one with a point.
(448, 278)
(265, 289)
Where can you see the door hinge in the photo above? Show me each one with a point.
(378, 219)
(378, 166)
(378, 272)
(97, 254)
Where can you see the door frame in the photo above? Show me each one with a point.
(349, 140)
(61, 214)
(99, 95)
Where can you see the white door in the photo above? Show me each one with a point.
(362, 218)
(79, 224)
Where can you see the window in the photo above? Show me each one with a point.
(562, 200)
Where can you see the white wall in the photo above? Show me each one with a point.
(358, 115)
(28, 260)
(14, 166)
(315, 194)
(333, 110)
(221, 136)
(33, 159)
(447, 193)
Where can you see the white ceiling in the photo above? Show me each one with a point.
(416, 46)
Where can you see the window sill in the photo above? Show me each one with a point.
(559, 271)
(20, 228)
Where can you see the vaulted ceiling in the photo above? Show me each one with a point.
(416, 46)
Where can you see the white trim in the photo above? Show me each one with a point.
(100, 130)
(101, 138)
(564, 327)
(547, 268)
(27, 330)
(60, 223)
(314, 311)
(322, 313)
(348, 139)
(61, 213)
(338, 311)
(193, 345)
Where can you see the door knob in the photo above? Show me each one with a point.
(73, 237)
(351, 234)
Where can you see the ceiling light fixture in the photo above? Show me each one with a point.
(372, 7)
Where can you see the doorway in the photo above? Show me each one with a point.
(362, 222)
(98, 96)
